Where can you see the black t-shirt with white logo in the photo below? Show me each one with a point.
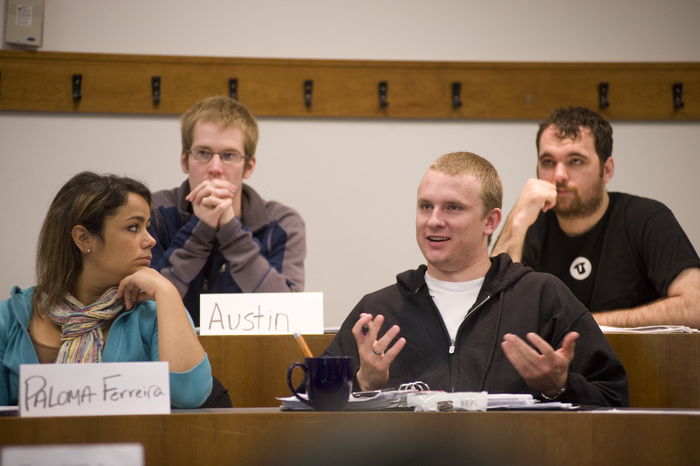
(575, 259)
(635, 252)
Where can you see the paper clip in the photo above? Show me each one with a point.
(416, 386)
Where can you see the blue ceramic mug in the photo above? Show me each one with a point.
(328, 382)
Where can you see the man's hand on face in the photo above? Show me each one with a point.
(537, 195)
(212, 202)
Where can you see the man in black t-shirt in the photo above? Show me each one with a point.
(625, 257)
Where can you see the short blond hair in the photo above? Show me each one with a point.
(460, 163)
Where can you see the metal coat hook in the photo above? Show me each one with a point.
(678, 95)
(383, 87)
(77, 85)
(308, 88)
(233, 88)
(155, 89)
(603, 95)
(456, 91)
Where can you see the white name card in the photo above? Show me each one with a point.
(261, 313)
(94, 389)
(99, 454)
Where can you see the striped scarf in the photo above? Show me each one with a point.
(81, 326)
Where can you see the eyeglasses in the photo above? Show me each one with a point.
(205, 155)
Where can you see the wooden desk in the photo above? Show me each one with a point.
(268, 436)
(662, 369)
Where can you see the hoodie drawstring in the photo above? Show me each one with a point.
(489, 361)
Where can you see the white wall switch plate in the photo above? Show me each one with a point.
(25, 22)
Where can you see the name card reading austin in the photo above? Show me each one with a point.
(261, 313)
(270, 321)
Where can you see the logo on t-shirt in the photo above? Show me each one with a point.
(580, 268)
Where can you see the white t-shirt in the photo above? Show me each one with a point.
(453, 300)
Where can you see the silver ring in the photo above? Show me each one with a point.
(375, 352)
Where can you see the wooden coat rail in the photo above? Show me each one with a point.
(168, 85)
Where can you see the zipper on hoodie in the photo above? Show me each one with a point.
(453, 344)
(205, 286)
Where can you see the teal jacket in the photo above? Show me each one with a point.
(132, 337)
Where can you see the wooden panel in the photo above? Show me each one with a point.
(254, 368)
(42, 81)
(268, 436)
(661, 369)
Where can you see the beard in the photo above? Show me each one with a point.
(581, 206)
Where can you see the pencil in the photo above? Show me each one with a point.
(302, 344)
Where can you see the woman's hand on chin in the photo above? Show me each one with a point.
(142, 285)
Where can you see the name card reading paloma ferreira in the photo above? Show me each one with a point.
(261, 313)
(94, 389)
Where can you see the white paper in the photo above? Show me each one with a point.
(261, 313)
(94, 389)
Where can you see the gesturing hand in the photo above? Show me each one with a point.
(375, 355)
(547, 371)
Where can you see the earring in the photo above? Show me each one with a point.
(88, 251)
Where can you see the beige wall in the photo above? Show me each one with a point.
(354, 181)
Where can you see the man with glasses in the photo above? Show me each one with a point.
(216, 234)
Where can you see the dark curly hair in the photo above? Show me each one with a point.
(568, 123)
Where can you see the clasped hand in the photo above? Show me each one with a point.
(212, 202)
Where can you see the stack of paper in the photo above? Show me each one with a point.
(650, 329)
(447, 401)
(387, 399)
(434, 400)
(371, 400)
(519, 401)
(510, 400)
